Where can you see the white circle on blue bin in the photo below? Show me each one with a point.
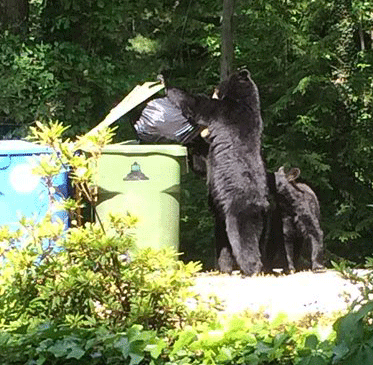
(22, 179)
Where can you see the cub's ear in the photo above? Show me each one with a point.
(244, 74)
(293, 174)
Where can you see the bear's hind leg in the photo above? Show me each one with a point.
(244, 231)
(317, 250)
(224, 253)
(289, 240)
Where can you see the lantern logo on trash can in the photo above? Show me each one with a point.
(136, 173)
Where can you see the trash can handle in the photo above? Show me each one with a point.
(3, 158)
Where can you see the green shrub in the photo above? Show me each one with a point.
(85, 277)
(51, 344)
(354, 343)
(97, 300)
(250, 339)
(93, 274)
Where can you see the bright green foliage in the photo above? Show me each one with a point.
(354, 343)
(51, 344)
(89, 275)
(86, 277)
(250, 340)
(79, 157)
(90, 298)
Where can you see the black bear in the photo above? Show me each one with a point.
(236, 175)
(300, 212)
(272, 245)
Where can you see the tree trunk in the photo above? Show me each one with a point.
(361, 36)
(227, 50)
(14, 15)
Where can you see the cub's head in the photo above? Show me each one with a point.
(285, 179)
(240, 88)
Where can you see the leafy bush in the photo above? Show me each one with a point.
(354, 343)
(250, 339)
(88, 275)
(51, 344)
(85, 277)
(95, 300)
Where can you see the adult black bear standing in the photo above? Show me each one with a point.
(236, 175)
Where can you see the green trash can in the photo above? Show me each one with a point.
(143, 180)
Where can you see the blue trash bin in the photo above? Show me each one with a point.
(23, 193)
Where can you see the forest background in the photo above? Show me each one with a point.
(73, 60)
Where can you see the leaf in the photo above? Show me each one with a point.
(4, 338)
(136, 358)
(348, 329)
(280, 339)
(364, 310)
(340, 351)
(311, 342)
(318, 360)
(59, 349)
(186, 337)
(156, 349)
(67, 347)
(124, 346)
(41, 360)
(76, 353)
(302, 85)
(313, 360)
(224, 355)
(362, 356)
(252, 359)
(263, 349)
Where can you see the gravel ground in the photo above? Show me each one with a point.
(296, 294)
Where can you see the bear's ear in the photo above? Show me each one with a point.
(293, 174)
(244, 74)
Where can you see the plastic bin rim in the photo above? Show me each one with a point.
(19, 147)
(164, 149)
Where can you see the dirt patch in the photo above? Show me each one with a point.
(296, 294)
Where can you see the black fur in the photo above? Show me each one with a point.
(301, 221)
(236, 175)
(272, 243)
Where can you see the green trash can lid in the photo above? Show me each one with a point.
(133, 148)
